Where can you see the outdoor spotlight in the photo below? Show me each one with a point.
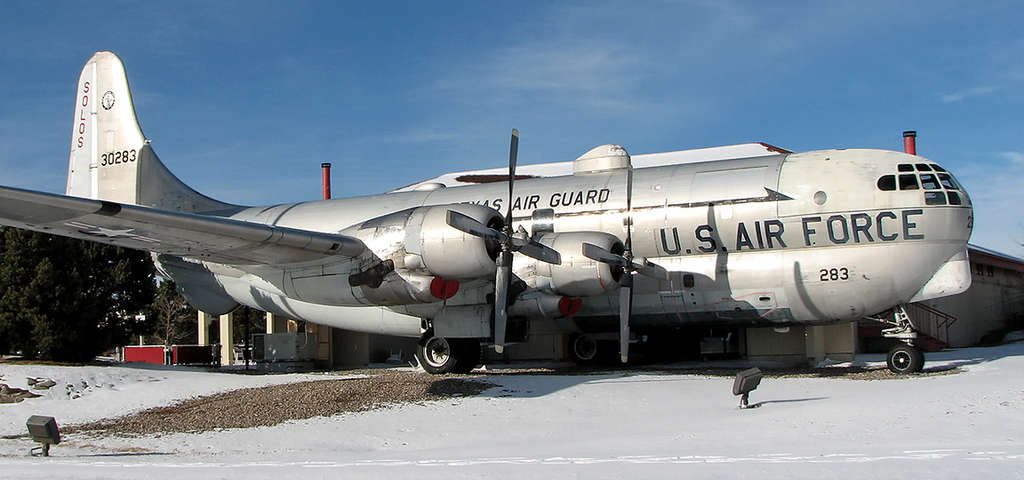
(746, 382)
(43, 430)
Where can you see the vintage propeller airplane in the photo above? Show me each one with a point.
(747, 235)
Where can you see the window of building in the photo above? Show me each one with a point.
(989, 271)
(977, 269)
(887, 182)
(934, 198)
(908, 182)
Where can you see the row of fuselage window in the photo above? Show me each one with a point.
(933, 178)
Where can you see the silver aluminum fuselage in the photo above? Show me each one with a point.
(772, 240)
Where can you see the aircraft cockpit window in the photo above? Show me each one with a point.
(923, 167)
(938, 168)
(934, 198)
(887, 182)
(954, 198)
(906, 167)
(929, 182)
(948, 182)
(908, 182)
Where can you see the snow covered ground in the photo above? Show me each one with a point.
(613, 425)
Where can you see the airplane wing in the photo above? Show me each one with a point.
(216, 239)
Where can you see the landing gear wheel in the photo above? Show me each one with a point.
(583, 349)
(436, 354)
(468, 354)
(904, 359)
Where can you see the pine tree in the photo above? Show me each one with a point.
(68, 300)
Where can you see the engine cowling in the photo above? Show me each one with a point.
(579, 276)
(420, 240)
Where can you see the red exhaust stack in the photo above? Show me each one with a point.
(326, 169)
(910, 142)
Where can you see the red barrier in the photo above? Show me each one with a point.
(145, 354)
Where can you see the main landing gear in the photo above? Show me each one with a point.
(448, 355)
(904, 357)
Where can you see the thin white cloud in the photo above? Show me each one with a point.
(979, 91)
(996, 194)
(1012, 156)
(599, 75)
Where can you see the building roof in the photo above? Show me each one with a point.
(992, 257)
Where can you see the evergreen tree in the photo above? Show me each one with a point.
(68, 300)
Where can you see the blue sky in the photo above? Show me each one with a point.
(244, 100)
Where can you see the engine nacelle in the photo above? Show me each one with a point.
(579, 276)
(420, 240)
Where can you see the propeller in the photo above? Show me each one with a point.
(630, 266)
(510, 241)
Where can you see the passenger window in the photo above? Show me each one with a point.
(934, 198)
(923, 167)
(937, 168)
(906, 167)
(887, 182)
(954, 198)
(908, 182)
(948, 182)
(928, 182)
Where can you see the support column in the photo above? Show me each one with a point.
(276, 323)
(227, 339)
(204, 319)
(815, 344)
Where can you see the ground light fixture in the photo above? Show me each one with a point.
(43, 430)
(746, 382)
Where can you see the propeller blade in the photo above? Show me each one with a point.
(471, 226)
(513, 154)
(539, 251)
(599, 254)
(625, 312)
(501, 284)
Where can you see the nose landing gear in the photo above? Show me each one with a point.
(905, 358)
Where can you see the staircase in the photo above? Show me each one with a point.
(933, 326)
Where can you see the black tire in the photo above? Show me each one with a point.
(436, 355)
(584, 349)
(469, 354)
(904, 359)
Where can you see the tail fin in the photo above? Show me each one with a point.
(111, 159)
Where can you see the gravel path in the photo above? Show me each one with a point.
(271, 405)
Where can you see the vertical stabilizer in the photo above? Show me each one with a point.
(110, 157)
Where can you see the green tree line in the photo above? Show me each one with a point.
(69, 300)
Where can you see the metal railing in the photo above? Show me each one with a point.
(932, 321)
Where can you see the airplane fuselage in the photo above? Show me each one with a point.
(772, 240)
